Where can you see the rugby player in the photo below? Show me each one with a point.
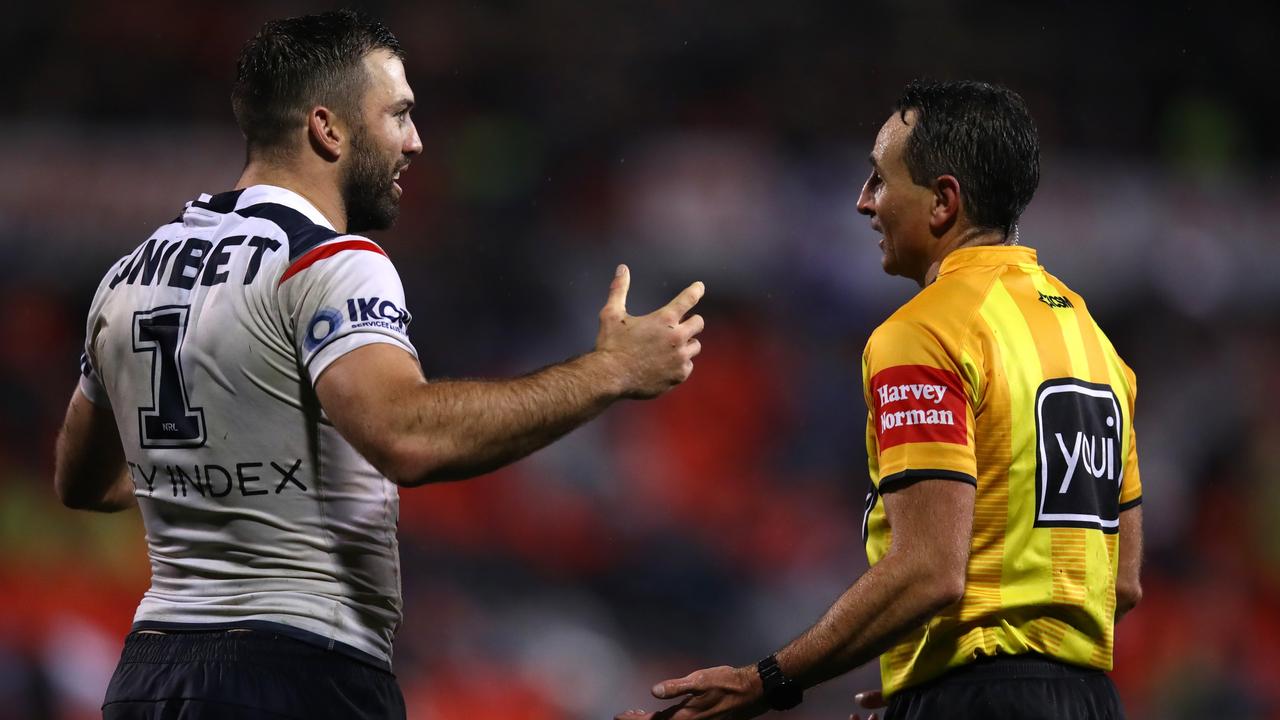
(248, 382)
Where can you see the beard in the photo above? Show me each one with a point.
(368, 189)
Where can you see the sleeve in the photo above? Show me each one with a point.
(340, 296)
(1131, 480)
(91, 384)
(920, 421)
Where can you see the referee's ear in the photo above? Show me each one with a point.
(325, 133)
(947, 203)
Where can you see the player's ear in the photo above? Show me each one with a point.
(947, 203)
(325, 133)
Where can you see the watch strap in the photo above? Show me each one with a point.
(780, 691)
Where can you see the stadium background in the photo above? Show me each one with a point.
(694, 140)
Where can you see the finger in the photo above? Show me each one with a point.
(671, 713)
(679, 711)
(668, 689)
(617, 302)
(693, 348)
(870, 699)
(687, 298)
(693, 325)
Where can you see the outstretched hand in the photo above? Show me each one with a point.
(653, 353)
(715, 693)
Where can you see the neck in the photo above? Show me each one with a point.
(319, 190)
(968, 237)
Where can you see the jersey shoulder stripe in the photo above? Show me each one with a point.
(222, 203)
(327, 251)
(303, 233)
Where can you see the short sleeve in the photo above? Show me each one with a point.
(340, 296)
(1131, 483)
(91, 384)
(920, 419)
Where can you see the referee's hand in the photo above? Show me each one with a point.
(868, 700)
(718, 693)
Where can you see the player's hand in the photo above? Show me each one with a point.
(868, 700)
(720, 693)
(651, 353)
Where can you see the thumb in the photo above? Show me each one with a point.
(617, 302)
(870, 699)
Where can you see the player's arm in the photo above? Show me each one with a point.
(1128, 577)
(416, 431)
(922, 573)
(89, 468)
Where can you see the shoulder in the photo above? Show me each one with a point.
(336, 251)
(1073, 299)
(904, 341)
(300, 232)
(941, 313)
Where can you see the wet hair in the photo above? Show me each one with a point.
(294, 64)
(981, 134)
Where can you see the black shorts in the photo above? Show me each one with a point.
(1025, 687)
(247, 675)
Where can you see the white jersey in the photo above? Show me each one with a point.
(206, 343)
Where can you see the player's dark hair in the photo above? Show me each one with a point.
(981, 134)
(294, 64)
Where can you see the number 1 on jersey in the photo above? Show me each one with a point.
(170, 421)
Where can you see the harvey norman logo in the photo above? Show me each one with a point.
(918, 403)
(890, 394)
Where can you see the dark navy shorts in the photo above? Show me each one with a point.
(1024, 687)
(247, 675)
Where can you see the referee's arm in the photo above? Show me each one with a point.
(923, 572)
(89, 469)
(1128, 581)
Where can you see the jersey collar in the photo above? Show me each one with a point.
(987, 256)
(258, 194)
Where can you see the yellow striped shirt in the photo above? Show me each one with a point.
(996, 375)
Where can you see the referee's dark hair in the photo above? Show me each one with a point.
(294, 64)
(981, 134)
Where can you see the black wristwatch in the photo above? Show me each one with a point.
(780, 691)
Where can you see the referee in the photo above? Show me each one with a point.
(249, 384)
(1003, 526)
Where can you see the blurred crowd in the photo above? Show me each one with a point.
(718, 142)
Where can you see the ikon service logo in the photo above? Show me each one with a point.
(918, 403)
(1079, 458)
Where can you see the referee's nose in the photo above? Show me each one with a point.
(866, 199)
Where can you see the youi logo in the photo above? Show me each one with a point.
(1079, 457)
